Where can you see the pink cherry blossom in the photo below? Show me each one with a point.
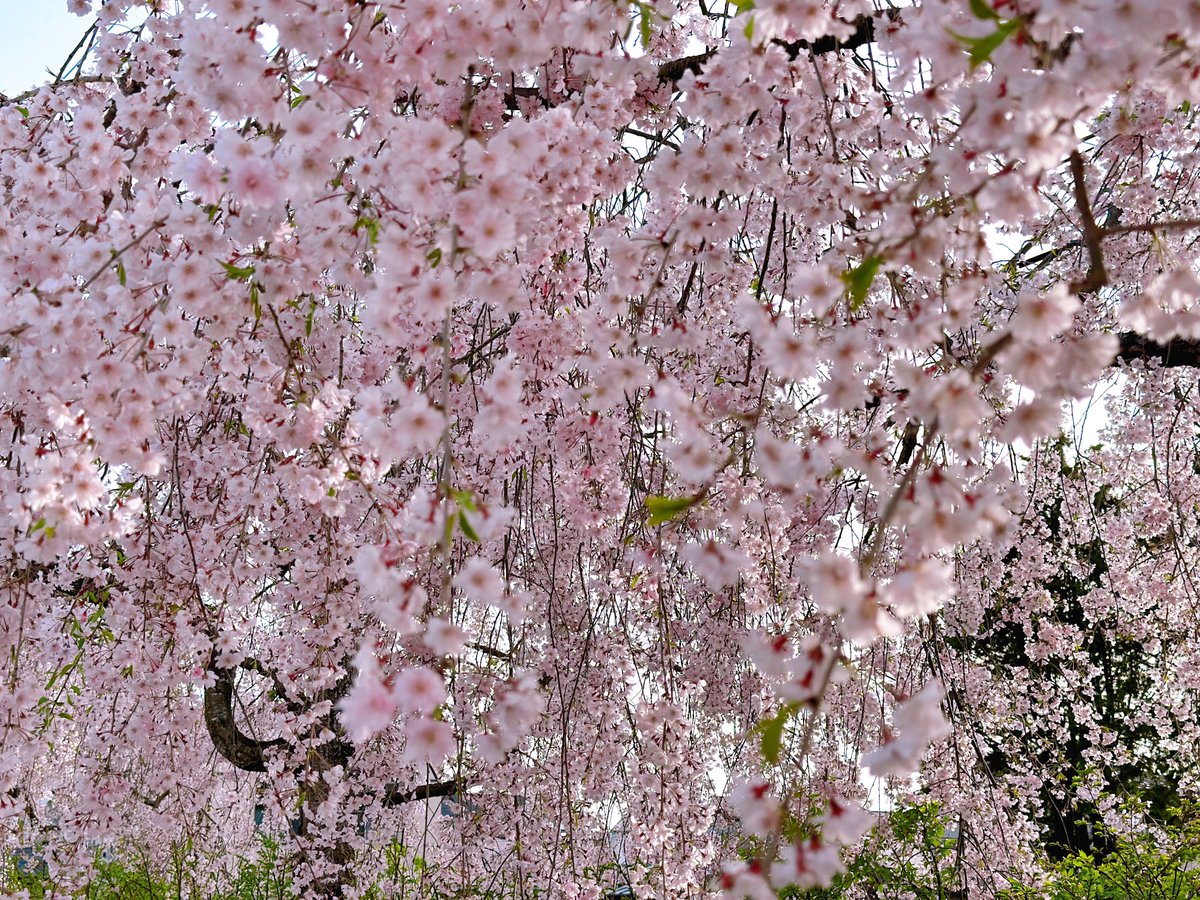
(418, 689)
(369, 707)
(632, 420)
(427, 741)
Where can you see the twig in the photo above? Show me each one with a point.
(88, 39)
(116, 254)
(33, 92)
(826, 106)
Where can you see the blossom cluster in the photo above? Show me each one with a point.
(625, 422)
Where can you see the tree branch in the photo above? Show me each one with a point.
(393, 796)
(672, 70)
(33, 92)
(1096, 276)
(864, 33)
(1152, 226)
(250, 664)
(244, 752)
(1174, 354)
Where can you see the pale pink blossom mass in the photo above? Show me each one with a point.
(690, 440)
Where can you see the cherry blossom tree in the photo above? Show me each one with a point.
(637, 425)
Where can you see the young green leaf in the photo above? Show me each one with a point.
(238, 273)
(464, 499)
(859, 280)
(981, 10)
(770, 732)
(980, 49)
(645, 23)
(465, 527)
(663, 509)
(370, 226)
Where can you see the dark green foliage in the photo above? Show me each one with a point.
(911, 855)
(1162, 866)
(185, 878)
(1115, 670)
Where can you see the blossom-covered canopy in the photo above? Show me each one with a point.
(643, 426)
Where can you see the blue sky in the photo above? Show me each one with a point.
(35, 35)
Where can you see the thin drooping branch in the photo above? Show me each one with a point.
(244, 752)
(394, 796)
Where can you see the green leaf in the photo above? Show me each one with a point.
(464, 499)
(859, 280)
(121, 276)
(238, 273)
(371, 227)
(980, 49)
(663, 509)
(645, 24)
(749, 29)
(434, 256)
(466, 528)
(24, 111)
(770, 732)
(981, 10)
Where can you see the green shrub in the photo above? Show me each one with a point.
(1158, 864)
(187, 876)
